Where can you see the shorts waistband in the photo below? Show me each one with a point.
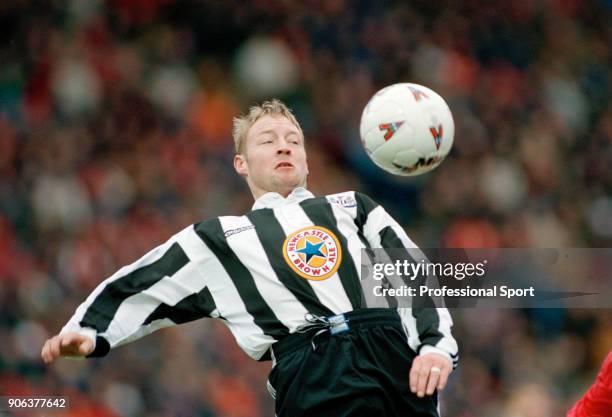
(329, 326)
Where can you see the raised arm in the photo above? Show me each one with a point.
(165, 287)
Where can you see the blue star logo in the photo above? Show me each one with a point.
(311, 250)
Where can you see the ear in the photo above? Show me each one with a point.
(241, 165)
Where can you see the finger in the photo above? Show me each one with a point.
(44, 353)
(55, 346)
(444, 377)
(71, 339)
(422, 380)
(48, 350)
(86, 347)
(69, 345)
(66, 341)
(414, 375)
(432, 382)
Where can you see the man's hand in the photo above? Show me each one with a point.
(428, 372)
(68, 344)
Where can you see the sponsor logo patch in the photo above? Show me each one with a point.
(313, 253)
(230, 232)
(346, 201)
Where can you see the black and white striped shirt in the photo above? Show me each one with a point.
(259, 274)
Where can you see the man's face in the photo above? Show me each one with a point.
(274, 158)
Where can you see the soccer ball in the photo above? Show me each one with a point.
(407, 129)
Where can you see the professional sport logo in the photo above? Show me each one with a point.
(313, 253)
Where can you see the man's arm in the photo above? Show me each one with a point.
(163, 288)
(429, 328)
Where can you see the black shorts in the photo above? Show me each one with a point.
(360, 372)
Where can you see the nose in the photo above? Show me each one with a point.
(283, 148)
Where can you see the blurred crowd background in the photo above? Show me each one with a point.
(115, 121)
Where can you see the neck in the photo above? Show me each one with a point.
(259, 193)
(256, 192)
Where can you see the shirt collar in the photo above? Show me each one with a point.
(274, 200)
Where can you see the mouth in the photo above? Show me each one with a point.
(283, 165)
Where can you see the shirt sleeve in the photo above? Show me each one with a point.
(165, 287)
(429, 328)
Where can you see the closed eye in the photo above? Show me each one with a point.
(293, 139)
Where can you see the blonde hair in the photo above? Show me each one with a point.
(243, 123)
